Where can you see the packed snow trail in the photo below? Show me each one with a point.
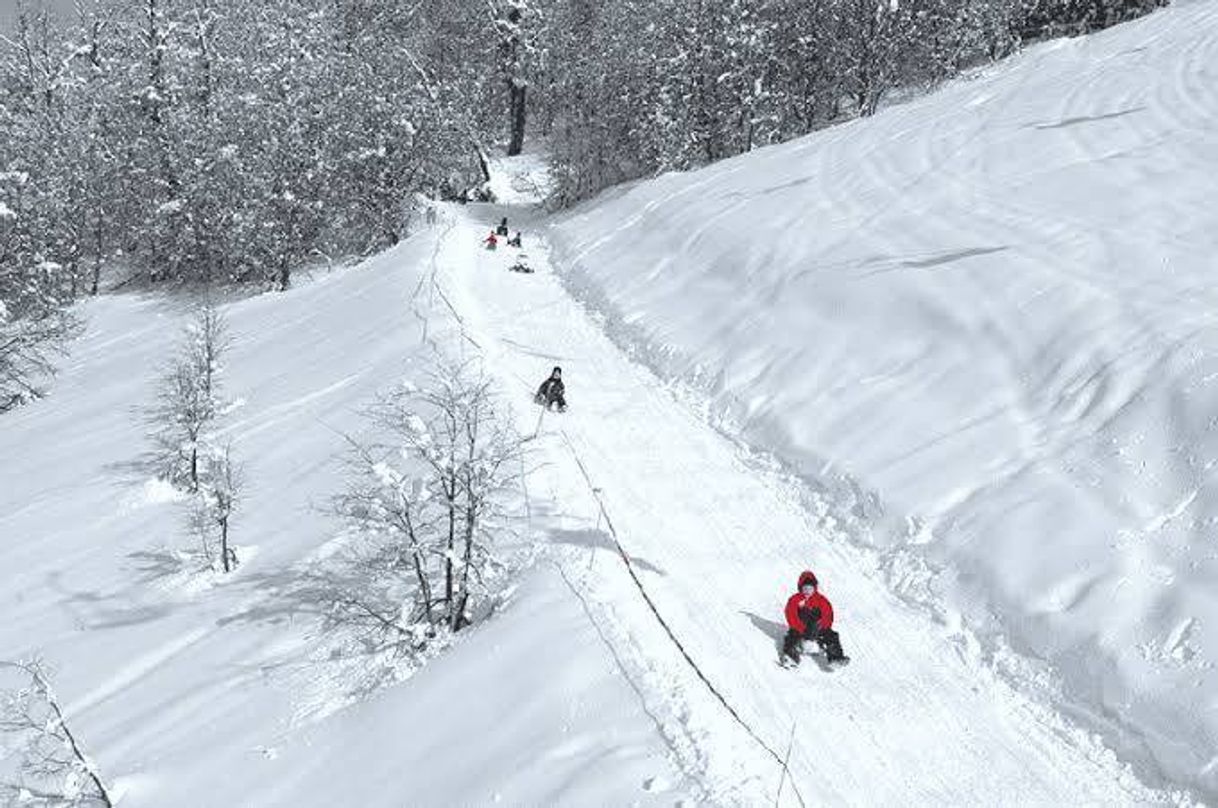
(718, 542)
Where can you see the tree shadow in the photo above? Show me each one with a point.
(292, 593)
(152, 565)
(351, 636)
(102, 610)
(134, 616)
(600, 540)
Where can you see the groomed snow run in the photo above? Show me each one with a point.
(984, 322)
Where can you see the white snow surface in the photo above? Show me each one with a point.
(716, 537)
(985, 322)
(189, 689)
(708, 354)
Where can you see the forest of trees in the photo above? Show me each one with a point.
(634, 87)
(233, 141)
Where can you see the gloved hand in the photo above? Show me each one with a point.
(810, 616)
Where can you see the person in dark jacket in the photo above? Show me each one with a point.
(552, 391)
(502, 229)
(810, 617)
(514, 241)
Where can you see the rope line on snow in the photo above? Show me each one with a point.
(638, 583)
(596, 626)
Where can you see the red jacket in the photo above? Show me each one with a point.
(814, 601)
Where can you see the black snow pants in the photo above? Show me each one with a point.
(830, 642)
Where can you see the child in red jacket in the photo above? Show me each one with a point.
(810, 617)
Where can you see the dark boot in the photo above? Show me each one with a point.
(792, 645)
(831, 644)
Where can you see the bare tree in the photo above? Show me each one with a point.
(427, 505)
(189, 400)
(27, 346)
(216, 499)
(52, 768)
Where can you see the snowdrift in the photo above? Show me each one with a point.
(989, 313)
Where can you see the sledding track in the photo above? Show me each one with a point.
(717, 543)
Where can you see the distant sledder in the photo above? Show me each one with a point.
(552, 392)
(491, 241)
(810, 617)
(502, 229)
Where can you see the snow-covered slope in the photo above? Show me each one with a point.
(985, 312)
(989, 313)
(190, 690)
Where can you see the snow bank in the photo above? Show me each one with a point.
(993, 310)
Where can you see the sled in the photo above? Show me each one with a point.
(540, 401)
(825, 664)
(818, 656)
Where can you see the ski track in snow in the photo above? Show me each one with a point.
(717, 545)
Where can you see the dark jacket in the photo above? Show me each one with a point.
(551, 390)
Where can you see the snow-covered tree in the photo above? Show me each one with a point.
(512, 25)
(50, 767)
(189, 402)
(426, 506)
(35, 291)
(215, 501)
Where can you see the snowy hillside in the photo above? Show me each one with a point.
(193, 690)
(978, 326)
(987, 317)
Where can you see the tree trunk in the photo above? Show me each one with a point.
(516, 144)
(452, 543)
(471, 529)
(97, 257)
(224, 543)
